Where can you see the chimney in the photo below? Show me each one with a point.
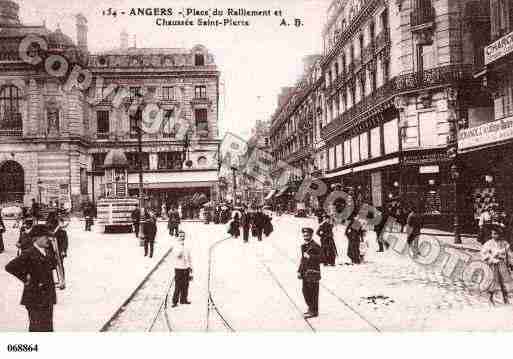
(81, 23)
(9, 13)
(124, 40)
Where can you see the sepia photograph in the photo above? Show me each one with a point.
(237, 166)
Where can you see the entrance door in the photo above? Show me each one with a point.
(12, 182)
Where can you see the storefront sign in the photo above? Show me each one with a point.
(499, 48)
(429, 169)
(488, 133)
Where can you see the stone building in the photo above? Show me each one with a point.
(399, 84)
(54, 139)
(295, 130)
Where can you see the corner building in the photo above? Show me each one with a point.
(53, 143)
(398, 86)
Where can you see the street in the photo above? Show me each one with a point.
(254, 287)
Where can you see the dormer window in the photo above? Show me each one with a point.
(199, 60)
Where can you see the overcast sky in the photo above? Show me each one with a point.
(255, 62)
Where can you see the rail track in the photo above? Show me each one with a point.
(326, 289)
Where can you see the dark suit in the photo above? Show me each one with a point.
(39, 295)
(245, 221)
(173, 223)
(310, 288)
(259, 223)
(149, 231)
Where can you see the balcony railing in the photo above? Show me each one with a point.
(368, 52)
(382, 40)
(409, 82)
(11, 133)
(102, 135)
(422, 15)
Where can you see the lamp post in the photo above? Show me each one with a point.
(234, 169)
(455, 175)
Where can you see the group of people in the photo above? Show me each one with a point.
(255, 222)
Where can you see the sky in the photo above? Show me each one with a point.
(255, 61)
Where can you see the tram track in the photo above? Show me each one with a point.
(326, 289)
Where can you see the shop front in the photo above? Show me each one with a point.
(187, 190)
(486, 157)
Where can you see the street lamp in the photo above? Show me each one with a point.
(234, 169)
(455, 175)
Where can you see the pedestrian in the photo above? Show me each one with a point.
(136, 219)
(24, 241)
(57, 229)
(183, 270)
(413, 227)
(328, 248)
(259, 222)
(379, 229)
(34, 268)
(2, 231)
(173, 223)
(149, 232)
(234, 226)
(309, 272)
(496, 252)
(485, 220)
(354, 234)
(246, 224)
(89, 216)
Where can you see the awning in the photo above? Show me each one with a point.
(270, 195)
(282, 191)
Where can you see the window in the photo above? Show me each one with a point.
(391, 136)
(428, 129)
(364, 146)
(340, 155)
(372, 31)
(135, 120)
(170, 160)
(336, 69)
(355, 149)
(168, 93)
(10, 115)
(361, 46)
(168, 127)
(135, 92)
(98, 160)
(201, 119)
(386, 70)
(375, 142)
(103, 126)
(426, 58)
(133, 163)
(200, 92)
(333, 163)
(199, 60)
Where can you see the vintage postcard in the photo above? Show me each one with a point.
(238, 166)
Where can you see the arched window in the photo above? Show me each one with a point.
(10, 115)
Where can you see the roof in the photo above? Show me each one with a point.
(146, 51)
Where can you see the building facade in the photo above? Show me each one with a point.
(399, 85)
(54, 141)
(294, 131)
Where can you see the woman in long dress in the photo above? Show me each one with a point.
(234, 227)
(328, 248)
(354, 235)
(496, 252)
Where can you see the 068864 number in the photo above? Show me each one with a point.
(22, 348)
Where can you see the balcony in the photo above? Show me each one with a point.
(368, 53)
(382, 40)
(102, 135)
(439, 76)
(11, 133)
(422, 17)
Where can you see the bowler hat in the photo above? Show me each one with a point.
(39, 230)
(307, 230)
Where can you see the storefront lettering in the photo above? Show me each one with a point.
(499, 48)
(488, 133)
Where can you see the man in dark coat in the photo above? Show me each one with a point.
(89, 215)
(259, 222)
(34, 268)
(149, 231)
(173, 222)
(136, 219)
(310, 272)
(35, 210)
(246, 224)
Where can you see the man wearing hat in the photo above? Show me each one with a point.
(34, 268)
(310, 272)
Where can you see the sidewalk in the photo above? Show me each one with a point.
(101, 272)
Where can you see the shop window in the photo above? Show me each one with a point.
(199, 60)
(98, 160)
(428, 129)
(170, 160)
(133, 161)
(391, 136)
